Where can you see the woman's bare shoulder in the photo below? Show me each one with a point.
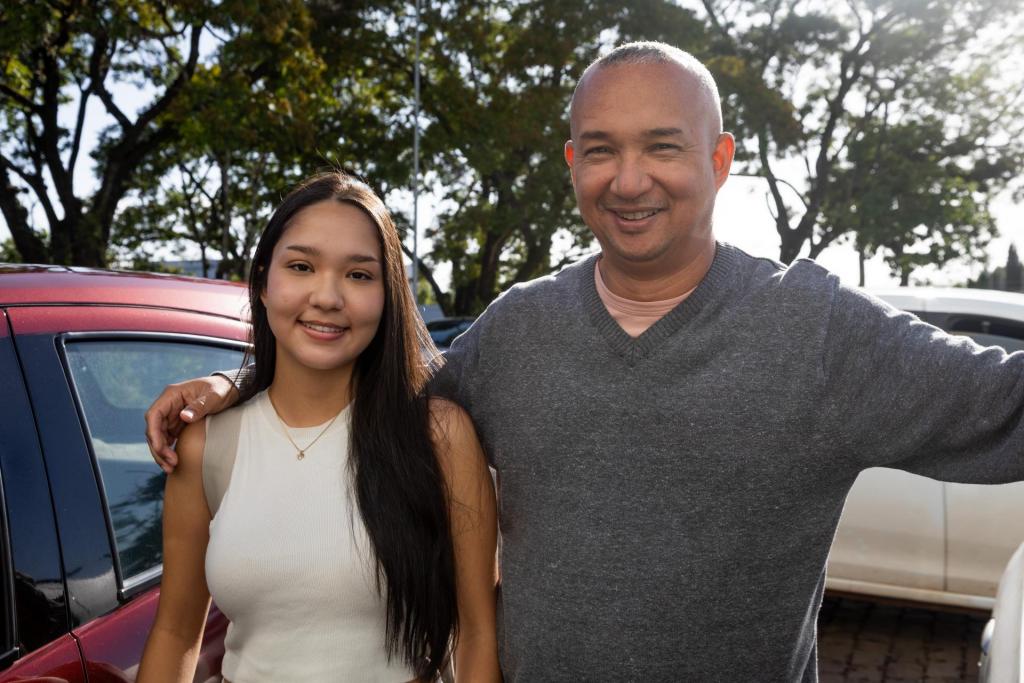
(449, 419)
(190, 445)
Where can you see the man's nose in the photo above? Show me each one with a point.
(632, 178)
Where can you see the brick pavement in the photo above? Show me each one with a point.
(867, 642)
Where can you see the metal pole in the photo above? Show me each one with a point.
(416, 169)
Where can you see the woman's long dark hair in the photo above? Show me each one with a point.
(400, 491)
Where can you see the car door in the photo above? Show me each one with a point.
(89, 388)
(35, 638)
(891, 538)
(984, 524)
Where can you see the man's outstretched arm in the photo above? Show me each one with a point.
(183, 403)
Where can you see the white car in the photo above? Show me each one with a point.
(911, 538)
(1002, 644)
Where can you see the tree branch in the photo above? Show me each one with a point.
(782, 217)
(782, 181)
(51, 133)
(35, 182)
(173, 90)
(29, 245)
(98, 61)
(25, 102)
(76, 141)
(427, 272)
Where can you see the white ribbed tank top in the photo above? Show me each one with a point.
(287, 561)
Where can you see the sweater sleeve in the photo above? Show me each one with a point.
(455, 380)
(901, 393)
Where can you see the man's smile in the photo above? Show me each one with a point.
(637, 215)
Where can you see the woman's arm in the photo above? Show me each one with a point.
(474, 528)
(172, 648)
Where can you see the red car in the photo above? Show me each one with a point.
(82, 355)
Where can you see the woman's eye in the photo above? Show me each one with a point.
(360, 275)
(300, 267)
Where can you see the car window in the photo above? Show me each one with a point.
(115, 381)
(444, 333)
(989, 331)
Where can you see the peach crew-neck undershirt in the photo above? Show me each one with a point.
(634, 317)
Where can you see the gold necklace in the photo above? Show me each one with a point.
(300, 453)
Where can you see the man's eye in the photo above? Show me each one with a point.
(665, 147)
(597, 150)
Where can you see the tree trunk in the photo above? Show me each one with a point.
(30, 247)
(790, 247)
(88, 244)
(60, 241)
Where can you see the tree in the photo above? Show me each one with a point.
(1014, 271)
(58, 58)
(286, 92)
(890, 118)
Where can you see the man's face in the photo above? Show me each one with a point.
(647, 161)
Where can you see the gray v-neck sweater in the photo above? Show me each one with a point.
(667, 502)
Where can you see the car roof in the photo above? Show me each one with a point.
(29, 285)
(960, 300)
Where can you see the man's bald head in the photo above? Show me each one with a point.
(650, 52)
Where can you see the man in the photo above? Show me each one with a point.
(675, 424)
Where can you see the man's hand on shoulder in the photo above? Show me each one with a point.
(180, 404)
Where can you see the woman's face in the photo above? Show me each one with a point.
(325, 287)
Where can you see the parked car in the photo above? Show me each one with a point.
(444, 330)
(82, 354)
(1002, 643)
(912, 538)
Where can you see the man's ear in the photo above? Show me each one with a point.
(570, 155)
(721, 157)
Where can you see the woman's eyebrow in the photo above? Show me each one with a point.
(313, 251)
(364, 258)
(304, 249)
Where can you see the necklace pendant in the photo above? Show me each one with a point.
(301, 455)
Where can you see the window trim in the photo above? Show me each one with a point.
(127, 587)
(9, 626)
(954, 319)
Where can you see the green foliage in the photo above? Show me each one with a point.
(901, 125)
(1009, 277)
(9, 252)
(905, 194)
(891, 119)
(55, 59)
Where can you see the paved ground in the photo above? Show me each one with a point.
(865, 642)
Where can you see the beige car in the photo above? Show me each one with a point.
(911, 538)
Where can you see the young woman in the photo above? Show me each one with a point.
(356, 540)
